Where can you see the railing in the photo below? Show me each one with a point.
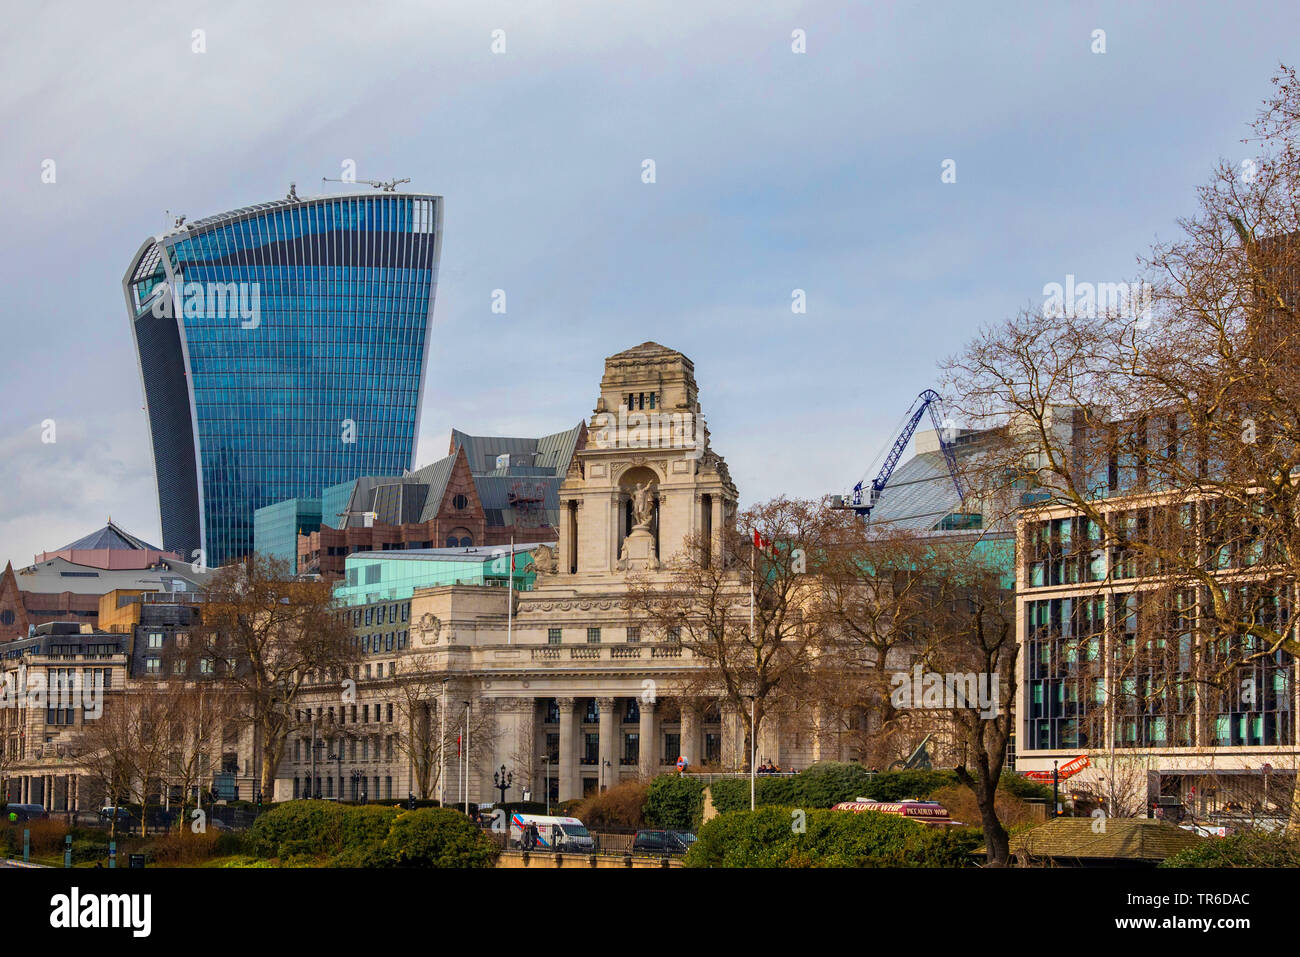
(595, 652)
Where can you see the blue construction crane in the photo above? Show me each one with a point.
(863, 500)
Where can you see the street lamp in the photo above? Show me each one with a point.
(339, 758)
(1056, 790)
(502, 781)
(359, 780)
(604, 763)
(546, 759)
(465, 760)
(753, 746)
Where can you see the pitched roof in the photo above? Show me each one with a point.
(646, 350)
(1132, 839)
(919, 495)
(547, 452)
(110, 536)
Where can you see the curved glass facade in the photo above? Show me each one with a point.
(282, 350)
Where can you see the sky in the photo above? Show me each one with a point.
(775, 171)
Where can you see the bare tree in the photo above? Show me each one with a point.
(126, 750)
(271, 633)
(704, 602)
(1189, 412)
(970, 651)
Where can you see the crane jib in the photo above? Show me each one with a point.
(930, 401)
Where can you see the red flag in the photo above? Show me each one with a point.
(458, 745)
(760, 542)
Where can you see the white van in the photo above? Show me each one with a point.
(553, 833)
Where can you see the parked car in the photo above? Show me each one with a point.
(25, 812)
(660, 842)
(122, 814)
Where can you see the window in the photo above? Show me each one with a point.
(634, 635)
(182, 639)
(673, 748)
(553, 636)
(674, 634)
(152, 665)
(459, 501)
(390, 717)
(593, 636)
(155, 639)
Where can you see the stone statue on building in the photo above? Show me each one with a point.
(643, 504)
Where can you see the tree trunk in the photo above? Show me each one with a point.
(995, 835)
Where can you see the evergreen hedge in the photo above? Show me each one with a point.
(771, 837)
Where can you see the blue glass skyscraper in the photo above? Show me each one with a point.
(282, 350)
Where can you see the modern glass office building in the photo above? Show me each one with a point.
(282, 351)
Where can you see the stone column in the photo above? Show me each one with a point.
(568, 776)
(769, 740)
(733, 737)
(608, 769)
(690, 733)
(614, 538)
(648, 759)
(715, 547)
(515, 717)
(824, 738)
(566, 541)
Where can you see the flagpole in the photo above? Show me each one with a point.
(510, 594)
(752, 741)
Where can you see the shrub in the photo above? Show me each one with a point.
(900, 785)
(766, 838)
(298, 827)
(178, 847)
(829, 782)
(365, 824)
(963, 806)
(732, 794)
(437, 837)
(674, 801)
(362, 855)
(622, 806)
(1022, 787)
(1250, 849)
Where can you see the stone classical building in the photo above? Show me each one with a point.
(564, 690)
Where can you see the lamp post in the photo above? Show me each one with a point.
(502, 781)
(465, 759)
(1056, 790)
(546, 760)
(442, 746)
(359, 781)
(313, 789)
(339, 758)
(604, 763)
